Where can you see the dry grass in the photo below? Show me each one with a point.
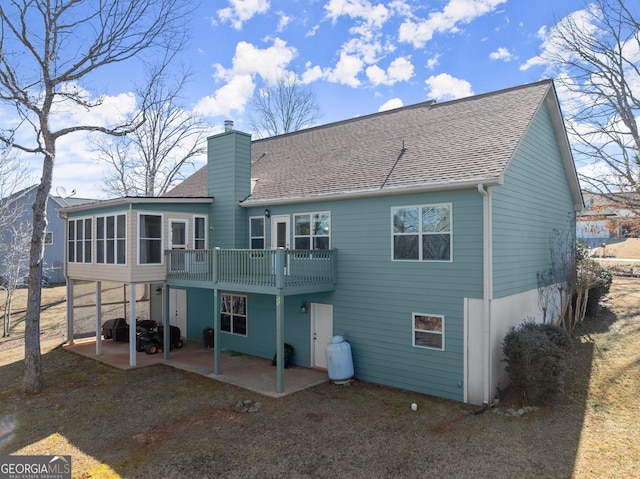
(161, 422)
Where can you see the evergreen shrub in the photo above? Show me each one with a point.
(536, 357)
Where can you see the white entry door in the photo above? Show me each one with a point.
(280, 232)
(178, 309)
(321, 333)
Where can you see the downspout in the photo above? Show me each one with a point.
(487, 255)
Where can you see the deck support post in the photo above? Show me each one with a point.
(279, 343)
(132, 324)
(70, 318)
(166, 325)
(98, 318)
(216, 332)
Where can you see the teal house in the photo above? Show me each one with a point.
(417, 233)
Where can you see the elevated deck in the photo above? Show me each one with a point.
(284, 272)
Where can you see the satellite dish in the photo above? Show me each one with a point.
(62, 193)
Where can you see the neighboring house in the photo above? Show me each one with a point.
(601, 219)
(54, 244)
(418, 233)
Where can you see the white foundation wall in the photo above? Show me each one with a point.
(505, 313)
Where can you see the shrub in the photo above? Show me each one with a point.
(536, 357)
(599, 288)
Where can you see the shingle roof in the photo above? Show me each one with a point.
(456, 142)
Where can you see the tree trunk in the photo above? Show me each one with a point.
(7, 314)
(33, 380)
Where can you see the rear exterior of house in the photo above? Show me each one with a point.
(418, 234)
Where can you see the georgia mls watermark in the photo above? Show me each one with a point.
(35, 467)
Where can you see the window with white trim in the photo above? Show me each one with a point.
(312, 231)
(233, 316)
(256, 232)
(48, 237)
(150, 238)
(199, 232)
(428, 331)
(79, 240)
(422, 233)
(111, 233)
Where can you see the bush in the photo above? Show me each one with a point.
(536, 357)
(600, 288)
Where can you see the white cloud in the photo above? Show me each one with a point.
(501, 54)
(445, 87)
(239, 11)
(312, 32)
(400, 69)
(550, 48)
(454, 14)
(249, 59)
(283, 22)
(231, 97)
(391, 104)
(345, 72)
(374, 15)
(247, 62)
(433, 62)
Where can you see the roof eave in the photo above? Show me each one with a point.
(373, 192)
(128, 200)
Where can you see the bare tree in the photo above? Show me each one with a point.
(15, 264)
(48, 48)
(149, 161)
(596, 53)
(283, 106)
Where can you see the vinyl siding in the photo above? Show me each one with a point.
(229, 173)
(532, 209)
(375, 296)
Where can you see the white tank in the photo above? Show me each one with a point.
(339, 359)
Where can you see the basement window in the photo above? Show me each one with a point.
(428, 331)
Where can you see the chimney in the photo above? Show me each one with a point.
(228, 125)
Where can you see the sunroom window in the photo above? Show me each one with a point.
(150, 239)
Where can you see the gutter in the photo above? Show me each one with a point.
(368, 192)
(487, 254)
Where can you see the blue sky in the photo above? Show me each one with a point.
(358, 56)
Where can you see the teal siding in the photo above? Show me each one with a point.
(199, 312)
(530, 211)
(261, 325)
(375, 296)
(229, 180)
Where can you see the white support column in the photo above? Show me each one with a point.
(166, 325)
(216, 332)
(70, 317)
(98, 318)
(279, 343)
(132, 324)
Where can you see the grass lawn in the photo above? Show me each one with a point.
(162, 422)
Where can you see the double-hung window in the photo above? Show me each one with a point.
(428, 331)
(150, 239)
(312, 231)
(256, 232)
(111, 239)
(79, 240)
(233, 316)
(422, 233)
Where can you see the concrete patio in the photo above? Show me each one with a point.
(248, 372)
